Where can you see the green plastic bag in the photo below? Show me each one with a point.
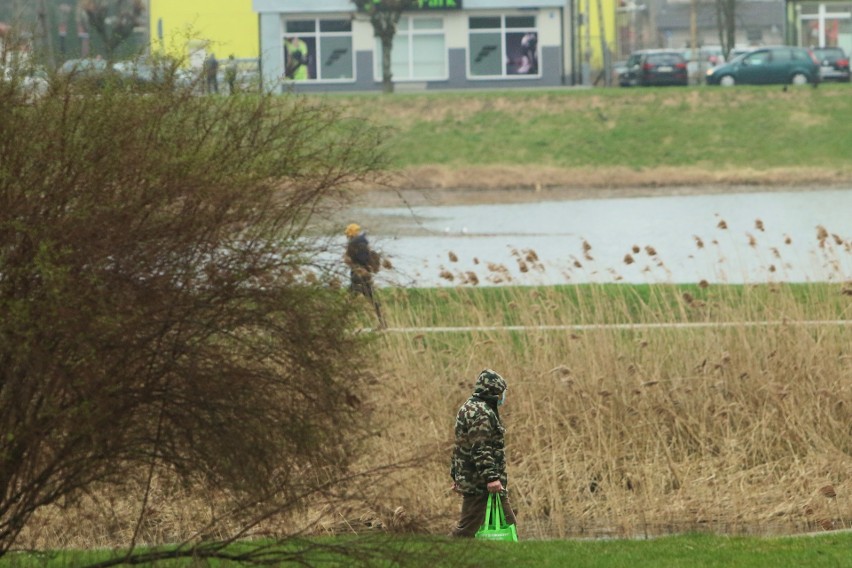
(495, 526)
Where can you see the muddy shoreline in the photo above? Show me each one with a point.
(475, 196)
(470, 186)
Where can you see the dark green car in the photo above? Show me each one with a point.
(781, 65)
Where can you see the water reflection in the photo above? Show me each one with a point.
(735, 238)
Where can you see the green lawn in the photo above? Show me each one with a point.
(688, 551)
(691, 551)
(613, 304)
(708, 127)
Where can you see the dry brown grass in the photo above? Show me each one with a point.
(614, 432)
(444, 185)
(610, 432)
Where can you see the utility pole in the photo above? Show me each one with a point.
(607, 64)
(587, 52)
(693, 41)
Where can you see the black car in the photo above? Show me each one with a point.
(834, 65)
(655, 67)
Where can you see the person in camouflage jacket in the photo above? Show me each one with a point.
(479, 461)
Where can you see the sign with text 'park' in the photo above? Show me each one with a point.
(439, 4)
(415, 5)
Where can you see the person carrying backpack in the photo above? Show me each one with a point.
(363, 262)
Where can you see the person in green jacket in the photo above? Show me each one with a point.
(478, 465)
(231, 75)
(297, 59)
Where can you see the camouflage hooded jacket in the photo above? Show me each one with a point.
(478, 455)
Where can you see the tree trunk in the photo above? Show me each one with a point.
(726, 13)
(387, 74)
(47, 33)
(730, 26)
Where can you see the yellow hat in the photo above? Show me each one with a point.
(352, 230)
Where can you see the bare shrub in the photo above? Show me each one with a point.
(163, 306)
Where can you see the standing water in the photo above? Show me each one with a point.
(729, 238)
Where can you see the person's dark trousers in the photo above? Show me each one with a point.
(473, 514)
(364, 285)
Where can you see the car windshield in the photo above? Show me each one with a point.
(829, 53)
(664, 58)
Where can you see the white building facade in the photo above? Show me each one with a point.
(447, 44)
(820, 24)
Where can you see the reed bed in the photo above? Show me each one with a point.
(618, 431)
(612, 430)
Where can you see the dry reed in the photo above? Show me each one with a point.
(636, 432)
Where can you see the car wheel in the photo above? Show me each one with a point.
(799, 79)
(727, 81)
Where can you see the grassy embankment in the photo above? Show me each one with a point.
(616, 137)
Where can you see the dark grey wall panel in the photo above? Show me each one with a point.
(551, 66)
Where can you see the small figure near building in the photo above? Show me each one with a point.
(363, 263)
(231, 75)
(297, 56)
(529, 55)
(211, 73)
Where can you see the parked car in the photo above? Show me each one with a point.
(31, 82)
(737, 51)
(708, 56)
(143, 75)
(656, 67)
(781, 65)
(88, 72)
(834, 63)
(618, 69)
(712, 54)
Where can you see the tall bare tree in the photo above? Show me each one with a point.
(113, 20)
(384, 15)
(45, 32)
(726, 18)
(164, 306)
